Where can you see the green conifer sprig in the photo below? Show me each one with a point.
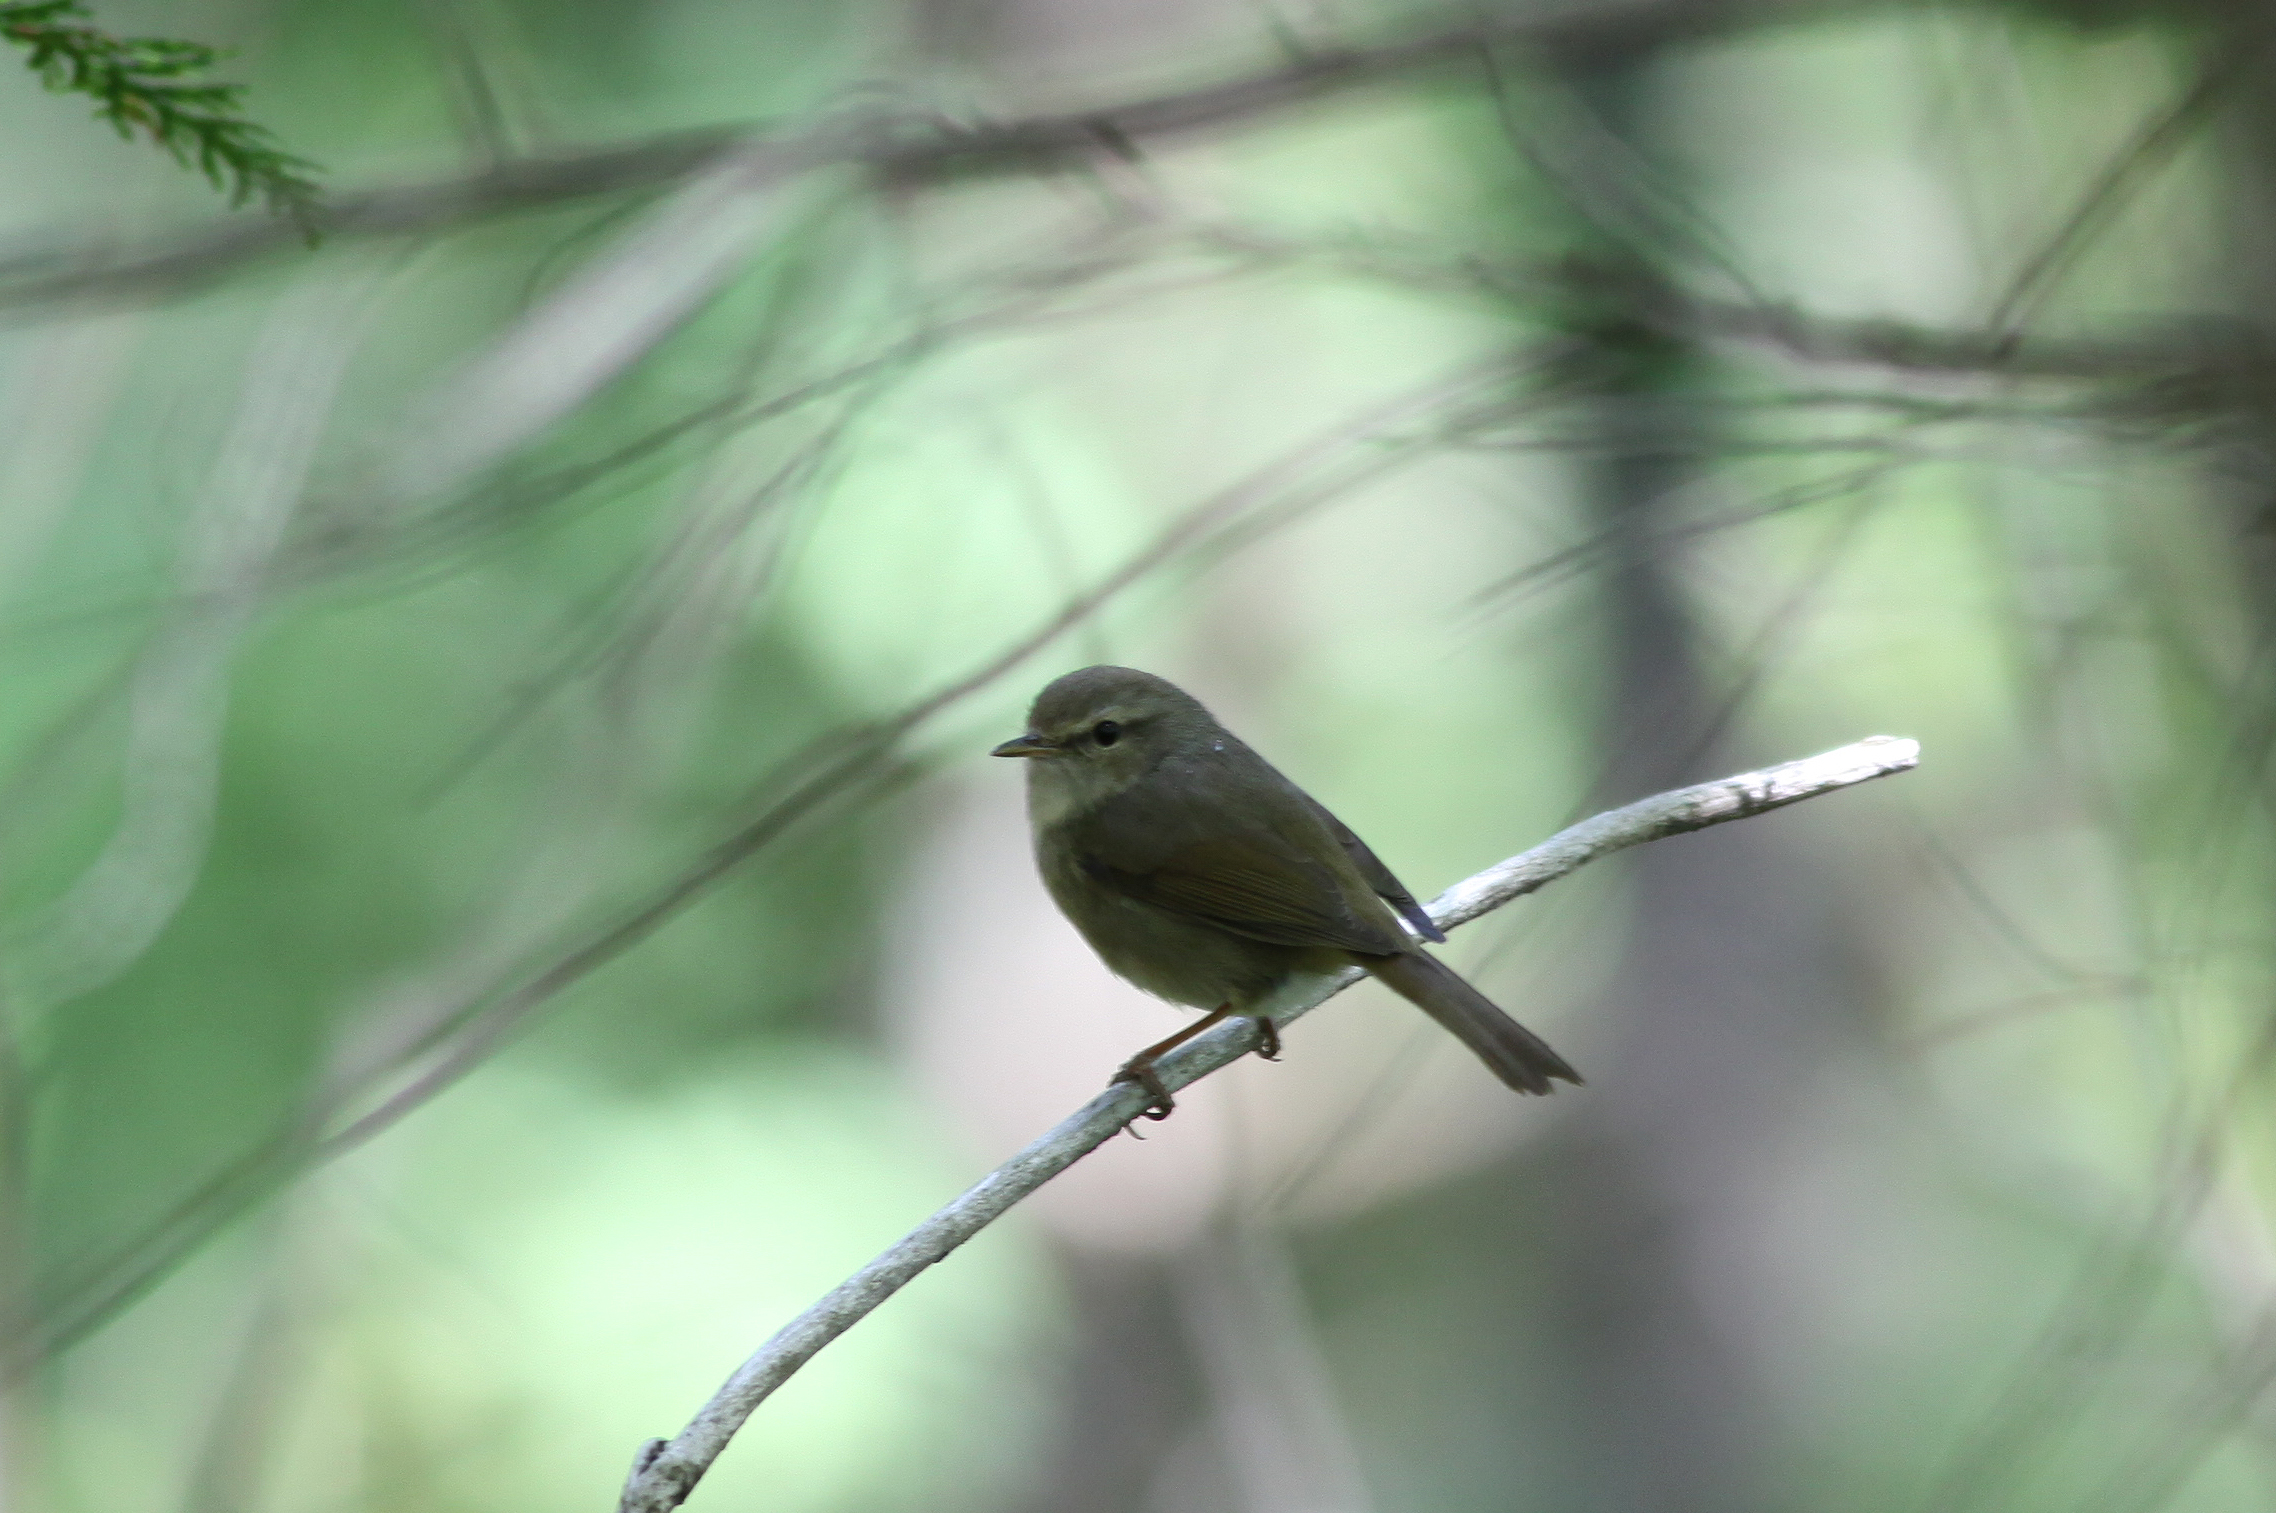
(147, 85)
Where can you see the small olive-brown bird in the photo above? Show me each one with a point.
(1201, 874)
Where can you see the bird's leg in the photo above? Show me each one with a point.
(1140, 1068)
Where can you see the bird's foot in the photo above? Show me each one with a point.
(1140, 1069)
(1268, 1037)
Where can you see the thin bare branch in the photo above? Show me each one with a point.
(665, 1472)
(462, 1034)
(2156, 368)
(178, 693)
(905, 149)
(2153, 146)
(607, 317)
(2229, 352)
(848, 758)
(2101, 1309)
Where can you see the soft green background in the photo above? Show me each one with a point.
(325, 707)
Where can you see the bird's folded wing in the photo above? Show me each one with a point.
(1248, 885)
(1379, 877)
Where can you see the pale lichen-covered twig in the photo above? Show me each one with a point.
(666, 1471)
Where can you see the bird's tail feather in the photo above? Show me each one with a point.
(1516, 1055)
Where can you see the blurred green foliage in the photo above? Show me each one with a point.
(391, 633)
(146, 86)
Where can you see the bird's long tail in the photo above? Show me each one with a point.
(1517, 1055)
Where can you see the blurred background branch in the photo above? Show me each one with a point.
(914, 150)
(495, 873)
(419, 1048)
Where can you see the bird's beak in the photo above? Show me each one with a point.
(1028, 745)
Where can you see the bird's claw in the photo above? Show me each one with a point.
(1143, 1073)
(1140, 1068)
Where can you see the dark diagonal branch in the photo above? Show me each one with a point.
(2151, 148)
(666, 1471)
(2182, 367)
(832, 772)
(2228, 355)
(906, 148)
(2171, 370)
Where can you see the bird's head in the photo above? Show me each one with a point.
(1095, 732)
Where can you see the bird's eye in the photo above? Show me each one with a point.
(1106, 732)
